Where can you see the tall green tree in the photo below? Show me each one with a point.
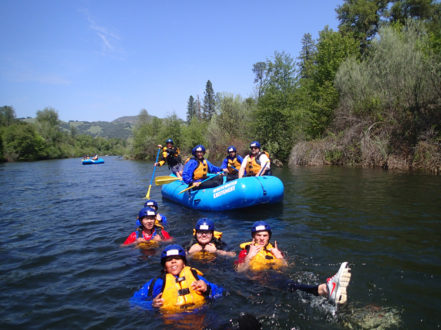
(209, 106)
(361, 18)
(7, 115)
(259, 69)
(144, 136)
(191, 108)
(274, 117)
(332, 49)
(306, 57)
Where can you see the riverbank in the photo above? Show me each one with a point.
(367, 152)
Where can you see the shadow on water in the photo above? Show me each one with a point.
(63, 223)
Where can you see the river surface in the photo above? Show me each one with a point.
(62, 265)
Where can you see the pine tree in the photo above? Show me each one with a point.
(306, 55)
(198, 108)
(209, 102)
(191, 108)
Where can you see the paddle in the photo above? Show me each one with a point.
(192, 186)
(160, 180)
(147, 196)
(263, 169)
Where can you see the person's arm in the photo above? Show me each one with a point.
(224, 165)
(243, 166)
(213, 291)
(130, 240)
(226, 253)
(264, 160)
(194, 248)
(187, 174)
(141, 297)
(212, 168)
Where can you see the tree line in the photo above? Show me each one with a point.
(367, 94)
(44, 139)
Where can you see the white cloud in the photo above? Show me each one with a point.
(108, 39)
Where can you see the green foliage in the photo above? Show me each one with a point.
(144, 136)
(275, 113)
(193, 134)
(361, 18)
(395, 88)
(22, 142)
(230, 126)
(319, 96)
(7, 116)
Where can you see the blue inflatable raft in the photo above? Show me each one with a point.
(240, 193)
(92, 162)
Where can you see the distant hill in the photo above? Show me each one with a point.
(126, 119)
(119, 128)
(114, 129)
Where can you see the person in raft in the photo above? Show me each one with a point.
(256, 163)
(172, 156)
(259, 255)
(198, 168)
(161, 220)
(179, 288)
(147, 232)
(206, 241)
(231, 164)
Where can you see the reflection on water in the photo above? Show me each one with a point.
(63, 223)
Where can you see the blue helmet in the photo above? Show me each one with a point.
(231, 149)
(173, 250)
(145, 212)
(255, 144)
(169, 141)
(204, 224)
(260, 226)
(199, 147)
(151, 203)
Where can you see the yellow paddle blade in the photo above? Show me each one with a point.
(147, 196)
(160, 180)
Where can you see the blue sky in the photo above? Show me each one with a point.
(103, 59)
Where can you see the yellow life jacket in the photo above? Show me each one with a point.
(264, 259)
(171, 156)
(254, 164)
(177, 293)
(204, 256)
(233, 165)
(201, 171)
(148, 245)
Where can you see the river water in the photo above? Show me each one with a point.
(62, 265)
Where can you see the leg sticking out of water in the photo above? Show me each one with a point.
(334, 288)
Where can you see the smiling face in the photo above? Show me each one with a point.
(254, 151)
(199, 154)
(261, 238)
(148, 223)
(174, 265)
(204, 236)
(169, 145)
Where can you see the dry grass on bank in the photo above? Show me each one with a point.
(365, 150)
